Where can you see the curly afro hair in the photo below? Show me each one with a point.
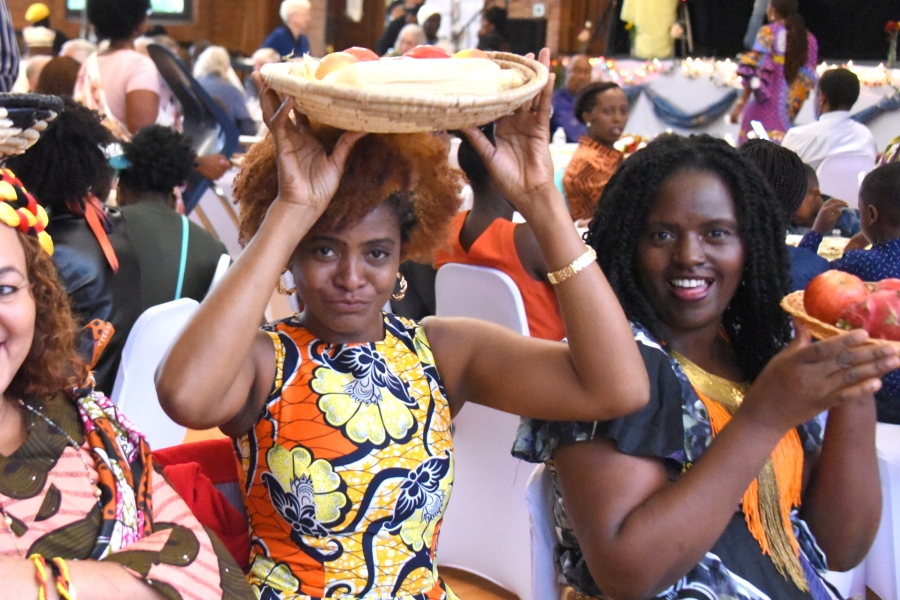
(754, 321)
(410, 170)
(161, 159)
(117, 19)
(52, 365)
(68, 161)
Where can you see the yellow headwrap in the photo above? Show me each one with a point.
(20, 210)
(37, 12)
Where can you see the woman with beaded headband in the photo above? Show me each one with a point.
(341, 414)
(82, 506)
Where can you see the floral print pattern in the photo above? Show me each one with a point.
(348, 470)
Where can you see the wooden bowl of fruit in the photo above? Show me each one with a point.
(424, 90)
(836, 302)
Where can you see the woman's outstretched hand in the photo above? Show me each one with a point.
(520, 162)
(307, 175)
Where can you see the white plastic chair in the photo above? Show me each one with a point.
(134, 391)
(883, 562)
(539, 498)
(485, 530)
(221, 267)
(841, 175)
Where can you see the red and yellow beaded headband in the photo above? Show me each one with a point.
(19, 210)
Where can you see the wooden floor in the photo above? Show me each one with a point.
(471, 587)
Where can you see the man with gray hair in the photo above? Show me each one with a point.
(578, 75)
(290, 39)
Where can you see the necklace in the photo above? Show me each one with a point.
(8, 520)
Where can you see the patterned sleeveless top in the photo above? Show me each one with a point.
(348, 470)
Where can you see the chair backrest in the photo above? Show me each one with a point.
(210, 128)
(883, 562)
(221, 267)
(840, 176)
(485, 528)
(480, 293)
(134, 391)
(539, 498)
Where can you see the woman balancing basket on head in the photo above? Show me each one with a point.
(341, 414)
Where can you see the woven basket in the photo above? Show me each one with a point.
(793, 305)
(356, 109)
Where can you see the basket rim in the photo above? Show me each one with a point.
(792, 304)
(422, 99)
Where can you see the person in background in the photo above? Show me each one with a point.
(410, 36)
(58, 77)
(38, 15)
(390, 34)
(159, 160)
(725, 485)
(429, 19)
(70, 176)
(757, 18)
(9, 50)
(779, 72)
(784, 172)
(603, 108)
(815, 213)
(578, 75)
(879, 205)
(30, 73)
(395, 10)
(486, 236)
(290, 38)
(651, 26)
(833, 132)
(214, 73)
(493, 35)
(78, 49)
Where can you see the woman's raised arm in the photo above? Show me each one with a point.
(222, 366)
(599, 374)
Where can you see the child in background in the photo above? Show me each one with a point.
(821, 214)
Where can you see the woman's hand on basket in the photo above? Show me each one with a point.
(520, 161)
(307, 175)
(808, 378)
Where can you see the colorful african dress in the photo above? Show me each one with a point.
(766, 552)
(347, 471)
(139, 521)
(775, 102)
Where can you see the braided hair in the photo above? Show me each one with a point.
(797, 50)
(754, 321)
(783, 171)
(587, 98)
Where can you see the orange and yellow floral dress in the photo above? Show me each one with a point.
(348, 470)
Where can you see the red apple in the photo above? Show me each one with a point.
(427, 52)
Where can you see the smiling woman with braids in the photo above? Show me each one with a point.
(82, 505)
(699, 495)
(341, 414)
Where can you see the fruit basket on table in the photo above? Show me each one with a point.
(793, 305)
(409, 108)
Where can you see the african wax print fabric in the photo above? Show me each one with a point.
(675, 427)
(347, 471)
(140, 522)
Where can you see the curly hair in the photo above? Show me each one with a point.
(52, 363)
(797, 50)
(161, 159)
(68, 161)
(754, 321)
(116, 19)
(783, 170)
(587, 97)
(410, 169)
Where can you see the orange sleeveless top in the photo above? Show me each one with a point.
(496, 248)
(347, 472)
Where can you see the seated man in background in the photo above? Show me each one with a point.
(578, 75)
(487, 237)
(834, 132)
(160, 160)
(815, 214)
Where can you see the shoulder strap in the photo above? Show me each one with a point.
(185, 235)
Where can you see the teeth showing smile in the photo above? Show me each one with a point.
(688, 283)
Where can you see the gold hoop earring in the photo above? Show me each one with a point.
(401, 294)
(279, 287)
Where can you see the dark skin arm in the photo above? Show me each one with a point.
(529, 252)
(141, 109)
(640, 532)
